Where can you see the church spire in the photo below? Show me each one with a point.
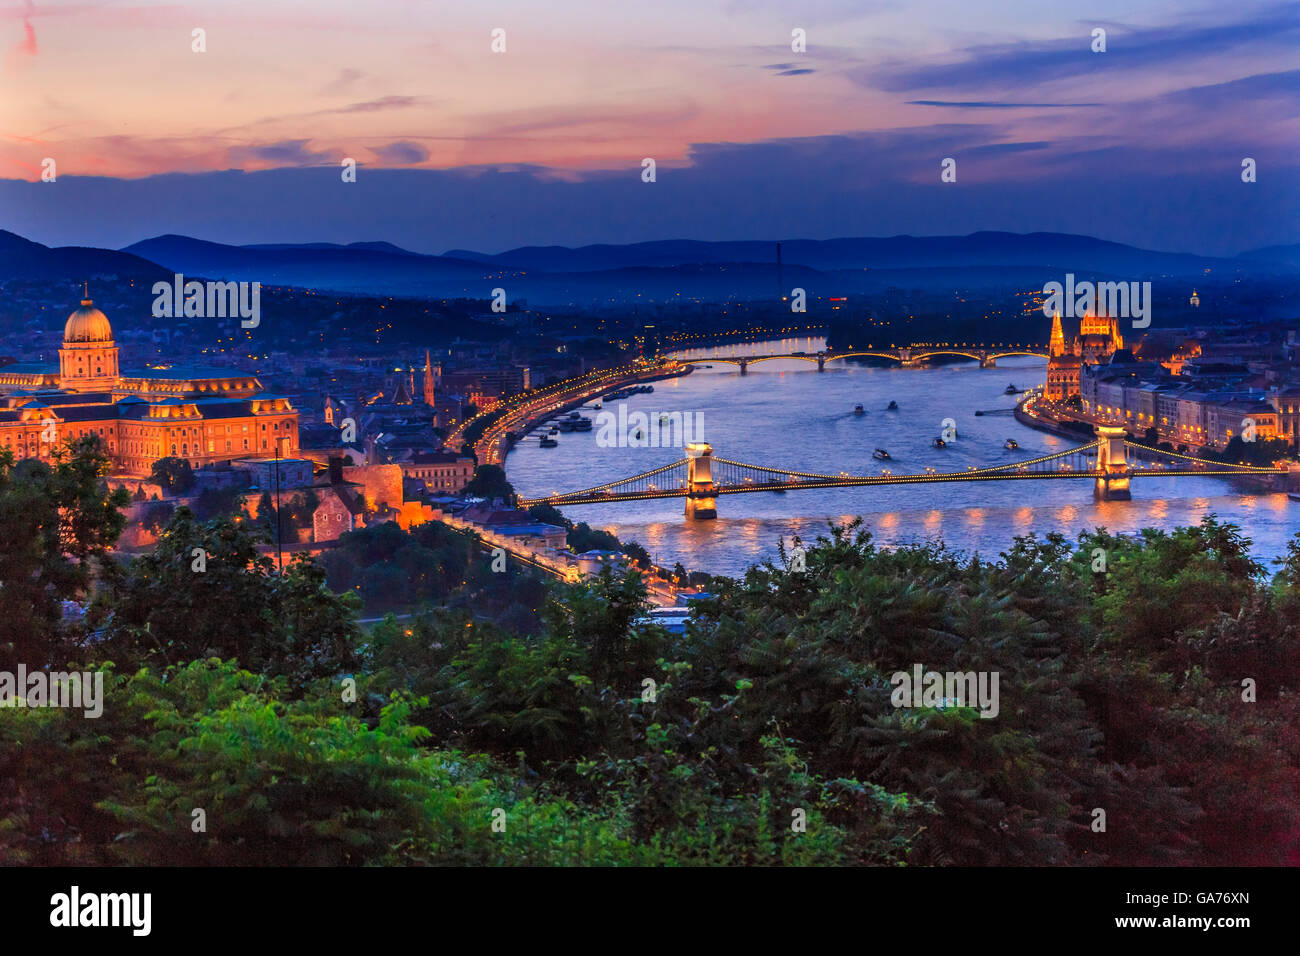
(428, 379)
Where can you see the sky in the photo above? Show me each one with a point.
(458, 146)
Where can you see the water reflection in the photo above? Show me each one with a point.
(787, 414)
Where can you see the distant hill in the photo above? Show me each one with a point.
(1279, 255)
(359, 267)
(367, 246)
(23, 259)
(1054, 250)
(656, 270)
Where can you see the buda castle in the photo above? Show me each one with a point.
(204, 416)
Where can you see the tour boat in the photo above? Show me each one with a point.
(939, 443)
(893, 407)
(549, 442)
(582, 425)
(1011, 443)
(858, 410)
(880, 454)
(1010, 390)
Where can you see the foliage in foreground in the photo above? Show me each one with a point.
(1158, 685)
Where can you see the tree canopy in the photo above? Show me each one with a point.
(251, 719)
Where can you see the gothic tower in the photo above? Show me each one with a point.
(428, 380)
(1057, 347)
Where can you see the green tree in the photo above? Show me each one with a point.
(206, 590)
(489, 481)
(59, 521)
(174, 475)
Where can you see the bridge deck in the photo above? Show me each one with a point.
(733, 477)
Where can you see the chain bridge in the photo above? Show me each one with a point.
(1110, 463)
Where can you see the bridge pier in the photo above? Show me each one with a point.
(987, 360)
(821, 361)
(744, 366)
(1112, 482)
(701, 501)
(907, 360)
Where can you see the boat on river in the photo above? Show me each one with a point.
(881, 455)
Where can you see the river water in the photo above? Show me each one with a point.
(785, 414)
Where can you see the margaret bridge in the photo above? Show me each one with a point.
(908, 356)
(1109, 462)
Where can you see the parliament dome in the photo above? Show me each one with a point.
(87, 324)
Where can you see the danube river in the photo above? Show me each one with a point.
(785, 414)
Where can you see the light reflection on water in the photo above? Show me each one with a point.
(784, 413)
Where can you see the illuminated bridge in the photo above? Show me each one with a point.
(1109, 463)
(908, 356)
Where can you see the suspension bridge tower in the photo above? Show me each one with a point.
(1112, 466)
(701, 500)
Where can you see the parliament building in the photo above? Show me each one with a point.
(204, 416)
(1099, 338)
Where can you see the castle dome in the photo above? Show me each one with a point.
(87, 324)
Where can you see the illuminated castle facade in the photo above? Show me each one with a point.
(201, 415)
(1098, 339)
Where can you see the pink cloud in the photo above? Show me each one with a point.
(28, 44)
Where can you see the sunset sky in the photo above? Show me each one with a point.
(543, 143)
